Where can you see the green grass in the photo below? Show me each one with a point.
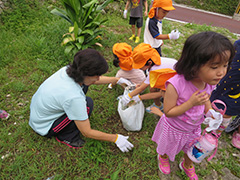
(30, 52)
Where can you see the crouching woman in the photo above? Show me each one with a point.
(61, 109)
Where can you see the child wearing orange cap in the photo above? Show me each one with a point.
(123, 58)
(147, 58)
(153, 27)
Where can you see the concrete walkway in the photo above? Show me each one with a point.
(186, 14)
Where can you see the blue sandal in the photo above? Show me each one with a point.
(148, 109)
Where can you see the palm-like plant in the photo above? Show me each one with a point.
(85, 20)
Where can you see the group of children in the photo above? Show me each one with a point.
(208, 69)
(205, 60)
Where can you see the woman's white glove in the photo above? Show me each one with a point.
(174, 34)
(126, 99)
(125, 13)
(136, 98)
(123, 144)
(122, 81)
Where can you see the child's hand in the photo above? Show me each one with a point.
(156, 111)
(174, 34)
(125, 13)
(145, 13)
(198, 98)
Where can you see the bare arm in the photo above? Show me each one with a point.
(162, 36)
(152, 95)
(86, 130)
(106, 80)
(146, 8)
(127, 4)
(139, 89)
(207, 106)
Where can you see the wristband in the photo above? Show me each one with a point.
(129, 95)
(116, 139)
(139, 97)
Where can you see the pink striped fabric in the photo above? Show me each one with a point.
(170, 140)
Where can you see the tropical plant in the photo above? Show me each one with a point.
(85, 19)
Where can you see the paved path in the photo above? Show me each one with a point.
(191, 15)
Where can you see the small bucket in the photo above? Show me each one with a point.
(202, 147)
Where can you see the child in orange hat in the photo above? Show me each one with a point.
(123, 58)
(153, 26)
(147, 58)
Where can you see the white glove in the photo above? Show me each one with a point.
(136, 98)
(125, 14)
(213, 119)
(174, 34)
(122, 81)
(110, 86)
(123, 144)
(125, 99)
(213, 114)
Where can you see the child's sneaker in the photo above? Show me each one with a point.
(189, 172)
(148, 109)
(163, 165)
(4, 115)
(233, 125)
(132, 37)
(236, 140)
(137, 39)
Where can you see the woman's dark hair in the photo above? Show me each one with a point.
(116, 61)
(199, 49)
(87, 62)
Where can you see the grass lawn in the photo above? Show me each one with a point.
(30, 52)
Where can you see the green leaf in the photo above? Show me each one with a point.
(61, 13)
(80, 39)
(79, 46)
(88, 31)
(102, 6)
(76, 6)
(114, 176)
(67, 40)
(75, 29)
(68, 49)
(90, 3)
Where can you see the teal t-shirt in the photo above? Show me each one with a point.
(57, 95)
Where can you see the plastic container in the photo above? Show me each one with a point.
(203, 147)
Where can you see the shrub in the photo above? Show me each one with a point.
(84, 17)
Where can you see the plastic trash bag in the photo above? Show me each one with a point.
(132, 114)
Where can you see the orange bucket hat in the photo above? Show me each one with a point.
(164, 4)
(124, 53)
(159, 77)
(142, 53)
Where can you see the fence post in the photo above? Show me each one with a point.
(236, 15)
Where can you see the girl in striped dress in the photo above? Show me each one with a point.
(203, 63)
